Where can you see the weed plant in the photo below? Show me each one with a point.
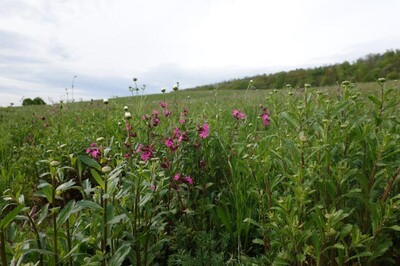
(301, 176)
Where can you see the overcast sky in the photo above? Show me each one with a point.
(105, 43)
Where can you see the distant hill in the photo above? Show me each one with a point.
(366, 69)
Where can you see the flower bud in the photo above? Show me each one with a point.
(106, 169)
(128, 115)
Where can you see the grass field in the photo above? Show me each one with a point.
(304, 176)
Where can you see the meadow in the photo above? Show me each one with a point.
(295, 176)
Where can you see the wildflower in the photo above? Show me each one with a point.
(188, 180)
(128, 115)
(176, 133)
(127, 156)
(163, 105)
(147, 155)
(162, 90)
(177, 176)
(265, 119)
(42, 118)
(169, 143)
(204, 131)
(176, 86)
(128, 127)
(126, 108)
(182, 121)
(238, 115)
(156, 121)
(166, 112)
(153, 187)
(183, 136)
(94, 151)
(105, 101)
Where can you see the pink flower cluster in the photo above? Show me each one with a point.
(265, 116)
(203, 130)
(180, 178)
(238, 115)
(94, 151)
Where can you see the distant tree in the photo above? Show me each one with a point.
(36, 101)
(39, 101)
(27, 101)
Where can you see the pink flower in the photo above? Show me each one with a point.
(265, 118)
(188, 180)
(128, 127)
(176, 133)
(147, 154)
(177, 176)
(182, 121)
(156, 121)
(238, 115)
(94, 151)
(169, 142)
(204, 131)
(163, 105)
(183, 136)
(166, 112)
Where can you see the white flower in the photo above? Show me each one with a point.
(128, 115)
(105, 100)
(126, 108)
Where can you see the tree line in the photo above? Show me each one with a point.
(366, 69)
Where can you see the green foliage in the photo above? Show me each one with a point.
(366, 69)
(316, 183)
(35, 101)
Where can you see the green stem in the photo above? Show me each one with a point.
(3, 248)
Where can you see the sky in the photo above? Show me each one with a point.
(44, 44)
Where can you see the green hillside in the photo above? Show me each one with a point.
(366, 69)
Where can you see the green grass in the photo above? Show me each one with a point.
(317, 186)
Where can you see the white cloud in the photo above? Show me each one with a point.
(107, 43)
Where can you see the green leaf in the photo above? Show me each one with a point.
(65, 213)
(395, 227)
(89, 204)
(375, 100)
(43, 213)
(10, 216)
(89, 161)
(66, 185)
(118, 219)
(98, 178)
(119, 255)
